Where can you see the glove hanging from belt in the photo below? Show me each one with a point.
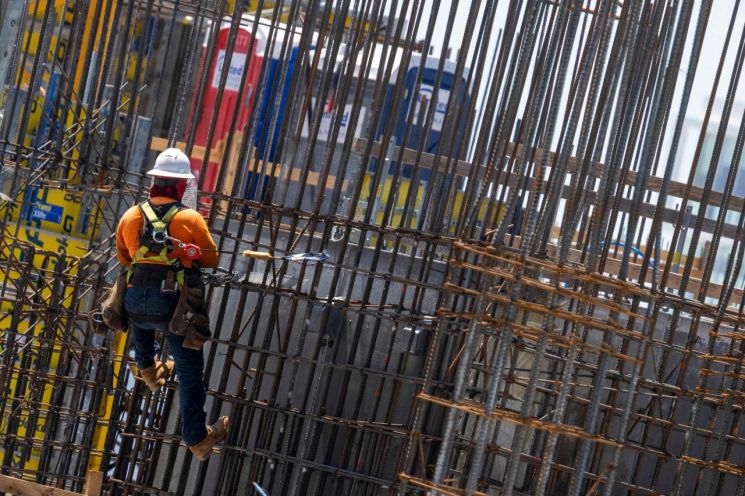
(190, 318)
(112, 307)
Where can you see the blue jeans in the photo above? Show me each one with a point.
(189, 363)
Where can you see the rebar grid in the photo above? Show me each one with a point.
(524, 295)
(570, 361)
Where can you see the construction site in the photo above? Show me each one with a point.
(500, 245)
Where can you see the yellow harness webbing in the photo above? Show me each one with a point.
(159, 225)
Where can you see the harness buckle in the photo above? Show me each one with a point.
(169, 284)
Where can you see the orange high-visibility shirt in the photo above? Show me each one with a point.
(187, 226)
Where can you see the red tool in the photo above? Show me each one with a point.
(190, 250)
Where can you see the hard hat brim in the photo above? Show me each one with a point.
(174, 175)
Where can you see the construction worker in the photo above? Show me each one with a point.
(147, 246)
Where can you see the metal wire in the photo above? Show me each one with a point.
(493, 183)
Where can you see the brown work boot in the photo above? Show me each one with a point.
(156, 375)
(215, 433)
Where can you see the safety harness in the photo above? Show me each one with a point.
(154, 245)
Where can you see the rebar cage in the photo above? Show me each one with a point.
(533, 229)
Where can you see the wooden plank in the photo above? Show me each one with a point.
(313, 178)
(645, 209)
(464, 168)
(613, 266)
(426, 160)
(28, 488)
(159, 144)
(653, 183)
(216, 155)
(93, 483)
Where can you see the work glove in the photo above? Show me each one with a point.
(190, 318)
(112, 307)
(197, 332)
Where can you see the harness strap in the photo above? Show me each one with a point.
(159, 224)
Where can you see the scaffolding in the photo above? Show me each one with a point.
(530, 286)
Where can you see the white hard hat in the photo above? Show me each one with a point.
(172, 163)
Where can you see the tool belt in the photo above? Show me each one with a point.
(190, 318)
(149, 275)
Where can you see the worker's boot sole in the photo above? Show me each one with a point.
(157, 374)
(216, 433)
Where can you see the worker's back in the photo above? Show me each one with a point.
(187, 226)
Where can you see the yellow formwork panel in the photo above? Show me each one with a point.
(57, 211)
(29, 328)
(55, 225)
(101, 25)
(38, 7)
(104, 412)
